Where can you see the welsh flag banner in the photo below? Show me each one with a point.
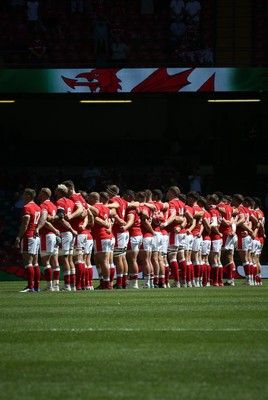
(133, 80)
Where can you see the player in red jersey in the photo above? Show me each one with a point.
(102, 238)
(87, 280)
(189, 239)
(261, 235)
(49, 241)
(65, 206)
(229, 237)
(175, 225)
(104, 199)
(155, 243)
(145, 253)
(249, 203)
(244, 232)
(27, 241)
(121, 238)
(78, 219)
(206, 241)
(216, 241)
(192, 198)
(184, 254)
(157, 250)
(133, 225)
(165, 240)
(170, 224)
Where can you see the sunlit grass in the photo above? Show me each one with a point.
(188, 343)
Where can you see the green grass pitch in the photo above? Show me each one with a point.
(187, 343)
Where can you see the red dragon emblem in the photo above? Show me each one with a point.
(105, 80)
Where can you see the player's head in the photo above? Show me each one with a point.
(113, 190)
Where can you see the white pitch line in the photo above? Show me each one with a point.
(80, 330)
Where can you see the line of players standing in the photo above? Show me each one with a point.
(187, 240)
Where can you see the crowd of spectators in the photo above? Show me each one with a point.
(72, 33)
(78, 33)
(260, 33)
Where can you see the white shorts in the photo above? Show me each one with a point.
(103, 245)
(230, 243)
(134, 243)
(158, 242)
(147, 244)
(48, 244)
(244, 243)
(197, 243)
(189, 239)
(179, 240)
(66, 245)
(30, 245)
(80, 240)
(89, 246)
(205, 248)
(259, 248)
(256, 246)
(121, 240)
(216, 245)
(165, 244)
